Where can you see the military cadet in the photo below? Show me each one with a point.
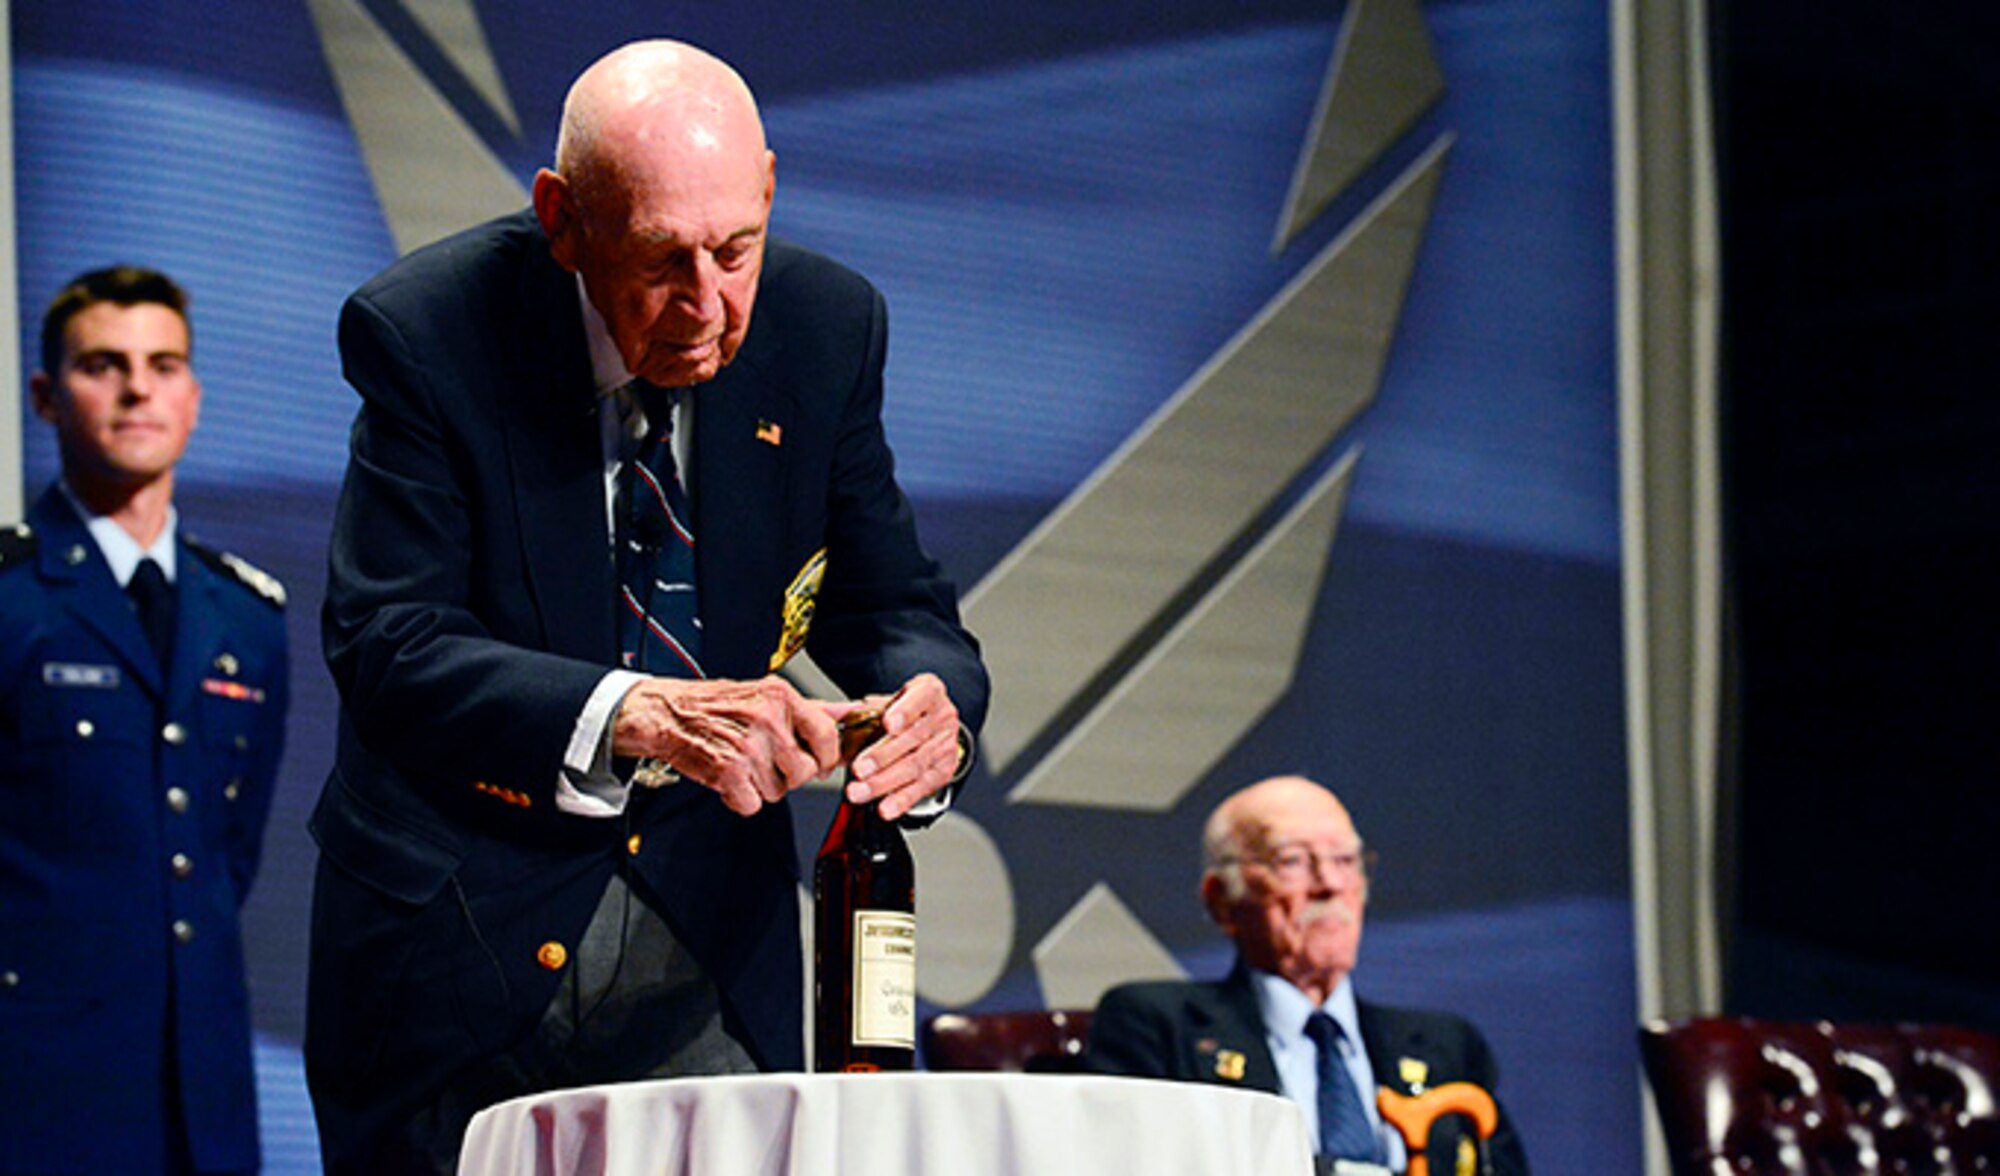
(142, 704)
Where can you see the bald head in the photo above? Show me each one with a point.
(659, 201)
(654, 102)
(1250, 821)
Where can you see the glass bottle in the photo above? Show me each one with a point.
(864, 934)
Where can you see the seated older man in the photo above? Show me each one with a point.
(1286, 881)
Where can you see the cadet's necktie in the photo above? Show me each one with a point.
(659, 623)
(154, 598)
(1344, 1132)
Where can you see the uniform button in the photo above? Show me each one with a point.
(85, 728)
(183, 930)
(242, 743)
(552, 956)
(183, 865)
(10, 979)
(177, 799)
(231, 790)
(632, 845)
(174, 734)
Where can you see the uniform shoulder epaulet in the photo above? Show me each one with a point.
(241, 570)
(17, 545)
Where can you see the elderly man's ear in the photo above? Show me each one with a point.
(1215, 900)
(556, 211)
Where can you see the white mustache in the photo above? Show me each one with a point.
(1329, 908)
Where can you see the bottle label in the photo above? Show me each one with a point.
(885, 978)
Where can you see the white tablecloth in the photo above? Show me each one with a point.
(891, 1125)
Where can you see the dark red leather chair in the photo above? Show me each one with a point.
(1740, 1095)
(1043, 1041)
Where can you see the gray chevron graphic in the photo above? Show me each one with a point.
(1208, 680)
(454, 27)
(432, 173)
(1383, 76)
(1189, 482)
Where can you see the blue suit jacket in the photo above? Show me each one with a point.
(132, 806)
(469, 614)
(1213, 1031)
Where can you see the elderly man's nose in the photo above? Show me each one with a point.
(699, 286)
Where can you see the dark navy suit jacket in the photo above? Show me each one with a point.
(1213, 1031)
(469, 614)
(132, 807)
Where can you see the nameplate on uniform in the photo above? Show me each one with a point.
(72, 674)
(223, 688)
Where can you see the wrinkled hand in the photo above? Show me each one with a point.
(751, 742)
(918, 752)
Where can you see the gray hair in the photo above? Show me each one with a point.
(1221, 850)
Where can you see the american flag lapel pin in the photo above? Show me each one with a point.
(770, 432)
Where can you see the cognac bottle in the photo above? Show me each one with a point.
(864, 934)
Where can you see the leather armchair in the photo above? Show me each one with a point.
(1741, 1095)
(1049, 1041)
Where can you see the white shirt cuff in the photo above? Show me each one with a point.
(587, 786)
(931, 807)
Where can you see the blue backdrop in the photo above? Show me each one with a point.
(1069, 211)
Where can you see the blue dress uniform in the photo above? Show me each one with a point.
(132, 808)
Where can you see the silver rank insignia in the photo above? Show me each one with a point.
(259, 581)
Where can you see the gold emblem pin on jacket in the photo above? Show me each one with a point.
(1415, 1073)
(800, 596)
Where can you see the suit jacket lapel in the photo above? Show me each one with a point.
(1391, 1044)
(198, 629)
(739, 502)
(554, 449)
(1236, 1026)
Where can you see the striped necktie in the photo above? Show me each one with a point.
(659, 622)
(1344, 1132)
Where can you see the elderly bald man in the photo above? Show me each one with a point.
(1285, 878)
(618, 457)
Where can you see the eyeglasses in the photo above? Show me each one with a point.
(1294, 864)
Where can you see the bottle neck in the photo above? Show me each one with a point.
(860, 826)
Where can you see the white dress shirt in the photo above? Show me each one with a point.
(122, 551)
